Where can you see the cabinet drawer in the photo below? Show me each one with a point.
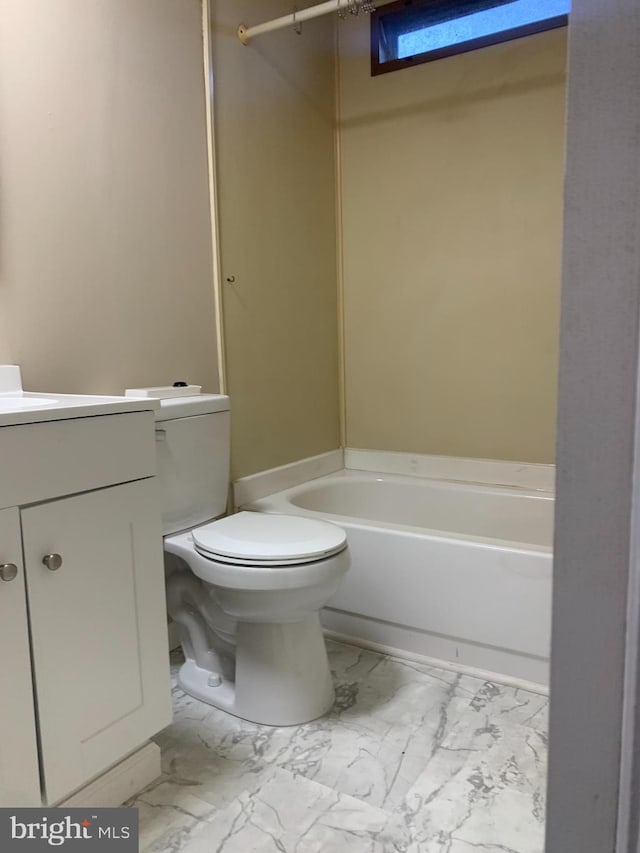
(53, 458)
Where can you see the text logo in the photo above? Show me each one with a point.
(72, 830)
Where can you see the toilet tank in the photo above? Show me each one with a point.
(193, 444)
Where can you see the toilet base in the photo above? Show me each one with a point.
(282, 674)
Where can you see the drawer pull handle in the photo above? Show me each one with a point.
(52, 561)
(8, 571)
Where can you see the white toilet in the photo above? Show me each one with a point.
(247, 606)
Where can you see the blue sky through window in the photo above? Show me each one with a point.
(478, 24)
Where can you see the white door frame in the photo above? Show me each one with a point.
(595, 725)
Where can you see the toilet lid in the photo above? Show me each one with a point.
(261, 538)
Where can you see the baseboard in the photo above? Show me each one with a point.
(497, 472)
(256, 486)
(440, 663)
(120, 783)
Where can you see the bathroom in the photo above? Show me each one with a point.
(326, 223)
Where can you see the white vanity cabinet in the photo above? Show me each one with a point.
(84, 513)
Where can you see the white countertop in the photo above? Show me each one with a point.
(28, 407)
(25, 407)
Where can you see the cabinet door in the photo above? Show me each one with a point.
(98, 625)
(19, 776)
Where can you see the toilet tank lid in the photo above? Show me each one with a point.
(186, 407)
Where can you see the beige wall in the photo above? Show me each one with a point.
(105, 247)
(274, 110)
(452, 206)
(451, 197)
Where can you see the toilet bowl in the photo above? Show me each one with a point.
(252, 637)
(248, 587)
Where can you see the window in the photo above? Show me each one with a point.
(409, 32)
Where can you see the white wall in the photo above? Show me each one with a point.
(597, 519)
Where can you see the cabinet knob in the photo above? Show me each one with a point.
(52, 561)
(8, 571)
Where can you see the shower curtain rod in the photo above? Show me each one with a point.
(245, 34)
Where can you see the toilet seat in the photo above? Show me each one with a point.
(268, 540)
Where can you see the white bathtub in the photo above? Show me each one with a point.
(455, 571)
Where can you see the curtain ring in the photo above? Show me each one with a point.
(354, 7)
(297, 27)
(342, 12)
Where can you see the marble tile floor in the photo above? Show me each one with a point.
(412, 759)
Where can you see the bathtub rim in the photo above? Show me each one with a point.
(280, 503)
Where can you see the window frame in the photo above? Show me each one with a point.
(378, 67)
